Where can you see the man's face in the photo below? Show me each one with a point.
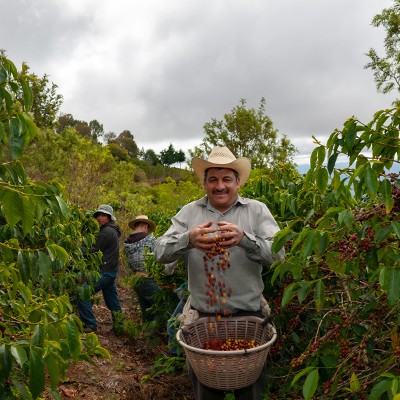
(102, 218)
(221, 186)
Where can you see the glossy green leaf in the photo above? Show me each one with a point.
(38, 336)
(304, 291)
(386, 190)
(379, 389)
(311, 384)
(53, 370)
(19, 354)
(74, 342)
(28, 213)
(354, 383)
(27, 92)
(23, 266)
(36, 374)
(308, 245)
(45, 267)
(17, 140)
(12, 206)
(321, 180)
(396, 228)
(289, 292)
(5, 363)
(371, 182)
(392, 285)
(319, 295)
(57, 252)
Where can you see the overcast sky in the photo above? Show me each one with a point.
(162, 69)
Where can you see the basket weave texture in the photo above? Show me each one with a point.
(227, 370)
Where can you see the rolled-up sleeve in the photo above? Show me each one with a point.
(258, 243)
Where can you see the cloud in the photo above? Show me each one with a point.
(163, 69)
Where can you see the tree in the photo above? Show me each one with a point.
(387, 69)
(65, 121)
(96, 130)
(247, 133)
(126, 140)
(46, 102)
(171, 156)
(151, 157)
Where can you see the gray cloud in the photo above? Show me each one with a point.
(163, 69)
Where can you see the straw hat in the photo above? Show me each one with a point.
(222, 157)
(105, 209)
(145, 219)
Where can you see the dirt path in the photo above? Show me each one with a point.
(131, 359)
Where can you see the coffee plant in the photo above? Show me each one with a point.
(41, 263)
(335, 296)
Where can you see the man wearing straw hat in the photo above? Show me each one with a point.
(135, 246)
(246, 228)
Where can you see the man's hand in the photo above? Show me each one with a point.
(205, 236)
(231, 234)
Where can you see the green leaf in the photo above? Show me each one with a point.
(289, 293)
(322, 180)
(281, 238)
(12, 207)
(17, 140)
(386, 190)
(354, 383)
(5, 363)
(371, 258)
(23, 266)
(323, 243)
(371, 182)
(53, 370)
(382, 233)
(36, 374)
(392, 285)
(57, 252)
(19, 355)
(27, 92)
(332, 161)
(396, 228)
(379, 389)
(37, 337)
(308, 245)
(311, 384)
(45, 267)
(304, 291)
(28, 213)
(346, 217)
(74, 342)
(319, 295)
(300, 374)
(350, 134)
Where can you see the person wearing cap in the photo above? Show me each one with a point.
(136, 246)
(246, 228)
(107, 241)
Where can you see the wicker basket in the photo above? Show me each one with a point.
(227, 370)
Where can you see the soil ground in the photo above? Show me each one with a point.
(131, 360)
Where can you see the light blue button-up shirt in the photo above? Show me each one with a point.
(243, 277)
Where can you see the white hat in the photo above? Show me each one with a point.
(222, 157)
(105, 209)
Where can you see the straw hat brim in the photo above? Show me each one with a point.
(152, 225)
(242, 166)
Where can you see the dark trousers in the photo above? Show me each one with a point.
(145, 290)
(106, 284)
